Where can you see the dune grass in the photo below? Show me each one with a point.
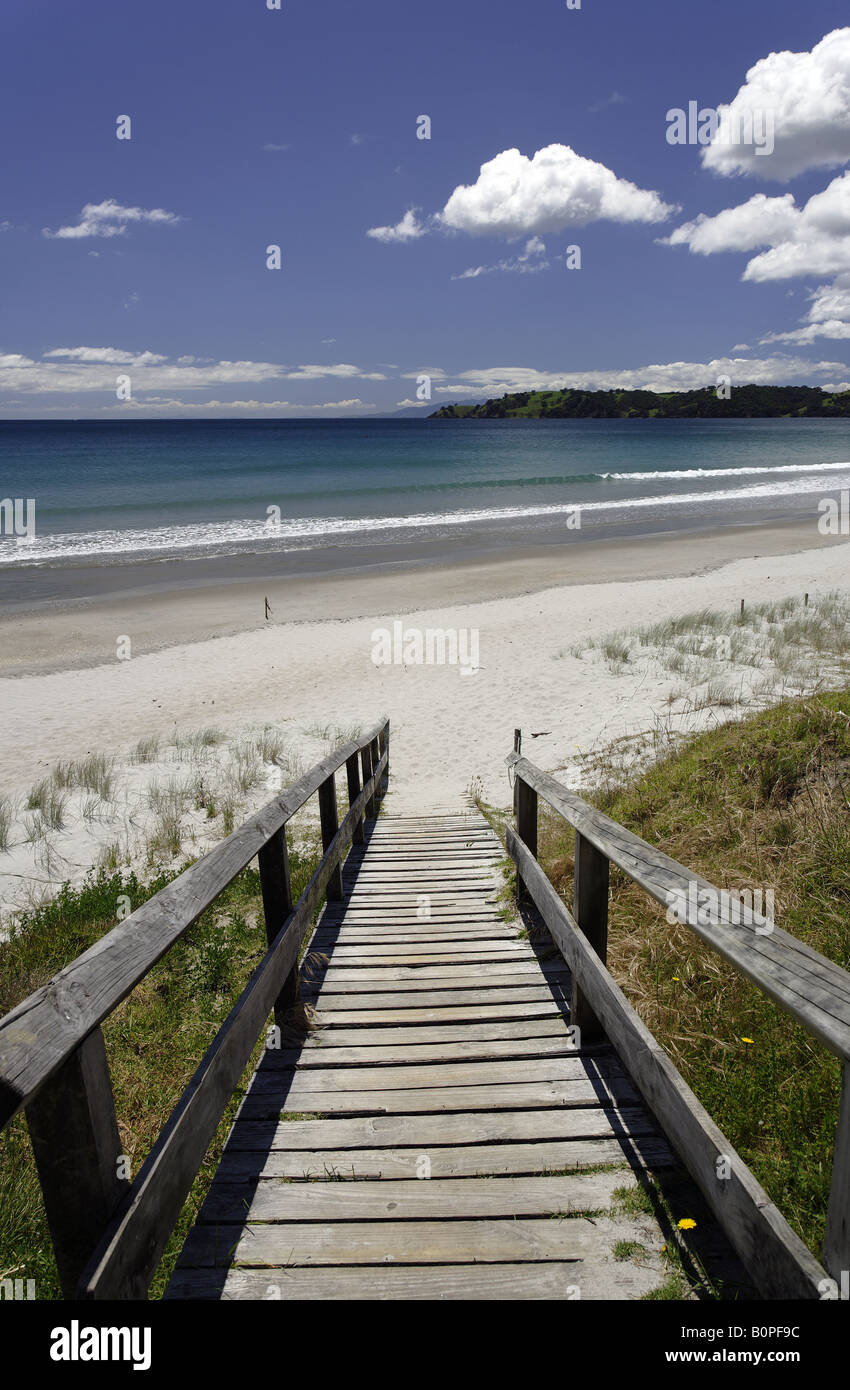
(93, 773)
(800, 646)
(155, 1039)
(761, 804)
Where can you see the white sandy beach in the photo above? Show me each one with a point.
(449, 730)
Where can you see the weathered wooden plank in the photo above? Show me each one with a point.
(459, 1161)
(433, 953)
(276, 887)
(374, 1078)
(585, 1280)
(433, 1199)
(773, 1254)
(514, 1030)
(486, 1005)
(429, 1132)
(77, 1150)
(614, 1090)
(434, 993)
(590, 909)
(836, 1249)
(309, 1058)
(329, 819)
(359, 939)
(413, 1242)
(337, 978)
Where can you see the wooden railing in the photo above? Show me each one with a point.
(108, 1232)
(814, 990)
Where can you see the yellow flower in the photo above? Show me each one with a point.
(686, 1224)
(676, 977)
(747, 1040)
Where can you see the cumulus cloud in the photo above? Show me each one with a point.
(808, 97)
(557, 188)
(110, 219)
(759, 222)
(812, 240)
(527, 262)
(408, 229)
(669, 376)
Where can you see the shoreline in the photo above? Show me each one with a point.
(168, 603)
(541, 663)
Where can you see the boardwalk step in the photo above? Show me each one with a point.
(438, 1125)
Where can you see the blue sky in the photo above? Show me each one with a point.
(298, 127)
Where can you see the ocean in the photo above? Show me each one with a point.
(119, 491)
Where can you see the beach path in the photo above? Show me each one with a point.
(437, 1134)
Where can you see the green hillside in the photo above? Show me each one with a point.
(745, 401)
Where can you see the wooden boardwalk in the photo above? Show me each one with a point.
(476, 1111)
(438, 1134)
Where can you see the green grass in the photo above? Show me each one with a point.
(628, 1249)
(94, 773)
(147, 749)
(761, 803)
(155, 1039)
(7, 816)
(49, 805)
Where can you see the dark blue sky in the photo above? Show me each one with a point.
(212, 86)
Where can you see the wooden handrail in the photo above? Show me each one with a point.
(811, 988)
(39, 1034)
(53, 1062)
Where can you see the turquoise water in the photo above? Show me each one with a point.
(120, 490)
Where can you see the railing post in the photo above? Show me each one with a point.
(352, 771)
(590, 909)
(366, 763)
(77, 1150)
(518, 751)
(526, 821)
(383, 747)
(836, 1246)
(277, 905)
(375, 750)
(330, 825)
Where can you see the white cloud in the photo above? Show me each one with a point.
(408, 229)
(408, 403)
(669, 376)
(812, 240)
(109, 355)
(557, 188)
(808, 96)
(526, 263)
(110, 219)
(828, 315)
(275, 148)
(762, 221)
(86, 369)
